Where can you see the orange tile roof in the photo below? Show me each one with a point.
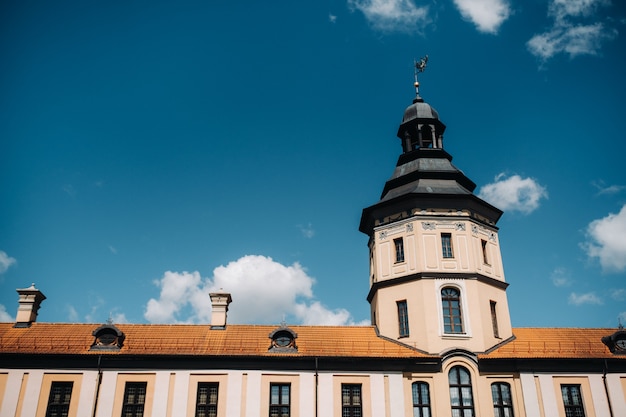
(547, 343)
(178, 339)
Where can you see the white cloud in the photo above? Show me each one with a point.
(514, 193)
(588, 298)
(5, 262)
(113, 249)
(4, 316)
(605, 241)
(332, 18)
(393, 15)
(560, 277)
(487, 15)
(575, 30)
(618, 294)
(263, 291)
(307, 231)
(72, 314)
(604, 189)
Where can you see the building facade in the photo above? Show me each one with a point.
(440, 344)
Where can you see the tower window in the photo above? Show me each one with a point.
(502, 402)
(446, 245)
(403, 318)
(206, 400)
(280, 400)
(494, 319)
(399, 244)
(572, 400)
(483, 244)
(451, 306)
(461, 398)
(59, 400)
(421, 399)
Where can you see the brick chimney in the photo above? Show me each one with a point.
(219, 307)
(29, 302)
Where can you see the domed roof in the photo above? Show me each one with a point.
(419, 110)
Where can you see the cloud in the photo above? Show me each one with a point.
(618, 294)
(5, 262)
(263, 291)
(487, 15)
(514, 193)
(392, 15)
(4, 316)
(605, 241)
(603, 189)
(588, 298)
(113, 249)
(560, 277)
(307, 231)
(575, 30)
(332, 18)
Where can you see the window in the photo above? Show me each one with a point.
(59, 400)
(502, 402)
(421, 399)
(446, 245)
(206, 399)
(461, 398)
(403, 318)
(494, 319)
(280, 400)
(351, 400)
(572, 400)
(399, 244)
(483, 243)
(134, 399)
(451, 305)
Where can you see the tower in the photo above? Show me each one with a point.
(436, 274)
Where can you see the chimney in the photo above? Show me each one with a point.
(219, 306)
(29, 302)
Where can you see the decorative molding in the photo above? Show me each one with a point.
(429, 225)
(460, 226)
(409, 227)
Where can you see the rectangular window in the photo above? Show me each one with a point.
(351, 400)
(134, 399)
(446, 245)
(280, 400)
(399, 244)
(403, 318)
(206, 400)
(502, 401)
(59, 400)
(421, 399)
(494, 319)
(483, 244)
(572, 400)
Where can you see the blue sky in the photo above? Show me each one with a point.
(151, 152)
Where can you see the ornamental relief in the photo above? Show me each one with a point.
(490, 234)
(459, 226)
(384, 234)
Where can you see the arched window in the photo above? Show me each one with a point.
(451, 307)
(461, 397)
(421, 399)
(502, 401)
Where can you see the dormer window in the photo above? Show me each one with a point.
(283, 339)
(107, 337)
(616, 342)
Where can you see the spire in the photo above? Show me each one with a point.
(420, 66)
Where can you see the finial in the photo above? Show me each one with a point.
(420, 66)
(619, 325)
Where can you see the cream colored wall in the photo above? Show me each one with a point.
(423, 254)
(426, 330)
(422, 248)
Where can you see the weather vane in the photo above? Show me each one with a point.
(420, 66)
